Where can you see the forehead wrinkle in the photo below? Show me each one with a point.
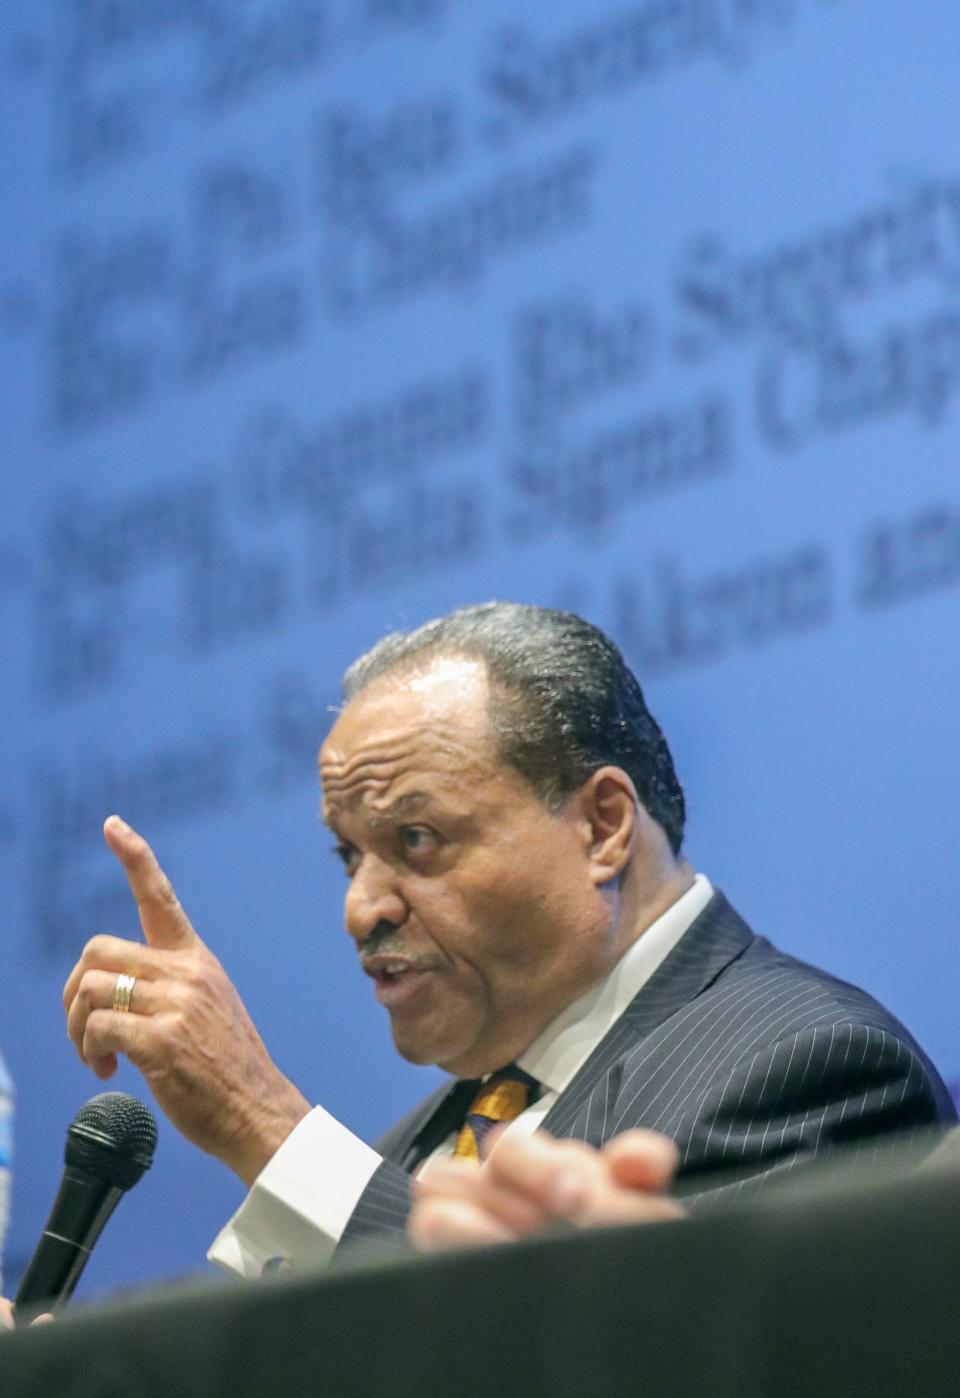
(373, 754)
(387, 811)
(370, 785)
(374, 769)
(371, 751)
(378, 759)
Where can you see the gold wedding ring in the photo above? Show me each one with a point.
(122, 992)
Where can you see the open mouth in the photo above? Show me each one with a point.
(395, 981)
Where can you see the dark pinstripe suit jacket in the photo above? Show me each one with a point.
(749, 1059)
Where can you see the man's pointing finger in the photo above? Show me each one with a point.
(165, 924)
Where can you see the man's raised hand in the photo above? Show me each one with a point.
(186, 1028)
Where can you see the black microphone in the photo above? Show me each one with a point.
(110, 1143)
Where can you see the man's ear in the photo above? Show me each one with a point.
(609, 808)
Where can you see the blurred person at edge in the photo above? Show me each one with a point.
(6, 1153)
(510, 823)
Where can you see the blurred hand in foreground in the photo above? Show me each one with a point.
(528, 1183)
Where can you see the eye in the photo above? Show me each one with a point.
(417, 839)
(347, 855)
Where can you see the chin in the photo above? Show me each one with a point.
(460, 1058)
(457, 1064)
(471, 1064)
(418, 1052)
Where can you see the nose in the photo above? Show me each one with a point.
(373, 897)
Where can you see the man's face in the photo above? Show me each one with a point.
(474, 908)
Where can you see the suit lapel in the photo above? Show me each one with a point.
(712, 941)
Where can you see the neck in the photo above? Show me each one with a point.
(644, 899)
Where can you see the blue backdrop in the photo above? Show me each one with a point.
(320, 317)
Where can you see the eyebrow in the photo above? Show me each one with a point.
(408, 804)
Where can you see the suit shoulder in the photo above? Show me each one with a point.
(798, 1023)
(797, 996)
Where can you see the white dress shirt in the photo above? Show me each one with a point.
(300, 1203)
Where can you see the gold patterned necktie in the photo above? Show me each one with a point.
(501, 1098)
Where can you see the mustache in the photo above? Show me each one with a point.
(385, 940)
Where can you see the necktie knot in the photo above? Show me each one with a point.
(503, 1096)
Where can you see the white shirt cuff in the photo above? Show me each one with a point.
(300, 1203)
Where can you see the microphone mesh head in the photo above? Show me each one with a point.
(113, 1137)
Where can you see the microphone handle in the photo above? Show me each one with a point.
(83, 1204)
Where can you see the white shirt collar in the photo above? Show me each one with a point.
(567, 1042)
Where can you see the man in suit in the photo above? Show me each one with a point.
(511, 825)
